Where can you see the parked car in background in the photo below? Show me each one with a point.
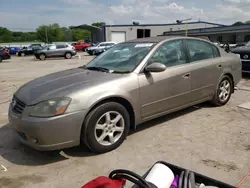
(244, 52)
(4, 54)
(100, 48)
(14, 50)
(30, 50)
(81, 46)
(55, 50)
(130, 83)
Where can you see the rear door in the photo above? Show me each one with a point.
(206, 63)
(60, 50)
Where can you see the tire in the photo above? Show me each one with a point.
(223, 91)
(42, 57)
(68, 55)
(106, 129)
(22, 54)
(94, 52)
(1, 59)
(84, 49)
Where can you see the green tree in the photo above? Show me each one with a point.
(247, 22)
(99, 24)
(238, 23)
(49, 33)
(80, 34)
(5, 35)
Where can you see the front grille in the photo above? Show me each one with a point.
(17, 106)
(245, 54)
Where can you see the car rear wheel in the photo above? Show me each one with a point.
(106, 127)
(68, 55)
(42, 57)
(223, 92)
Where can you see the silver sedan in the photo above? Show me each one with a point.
(133, 82)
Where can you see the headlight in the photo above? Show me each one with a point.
(49, 108)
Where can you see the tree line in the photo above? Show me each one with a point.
(47, 33)
(241, 23)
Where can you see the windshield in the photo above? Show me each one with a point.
(122, 57)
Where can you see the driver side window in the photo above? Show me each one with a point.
(170, 54)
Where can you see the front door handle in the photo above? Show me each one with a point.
(186, 75)
(219, 66)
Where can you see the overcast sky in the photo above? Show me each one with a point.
(29, 14)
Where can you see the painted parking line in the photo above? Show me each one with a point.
(245, 105)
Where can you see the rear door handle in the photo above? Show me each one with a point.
(186, 75)
(219, 66)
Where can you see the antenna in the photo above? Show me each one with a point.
(180, 21)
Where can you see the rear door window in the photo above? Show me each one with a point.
(201, 50)
(60, 46)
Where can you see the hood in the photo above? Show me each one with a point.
(61, 84)
(241, 49)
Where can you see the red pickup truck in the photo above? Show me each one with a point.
(80, 46)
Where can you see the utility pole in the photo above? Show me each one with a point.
(180, 21)
(46, 35)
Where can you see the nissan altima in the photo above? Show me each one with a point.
(133, 82)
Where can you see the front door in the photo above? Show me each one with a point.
(168, 90)
(51, 51)
(206, 66)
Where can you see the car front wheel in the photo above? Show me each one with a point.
(223, 92)
(106, 127)
(42, 57)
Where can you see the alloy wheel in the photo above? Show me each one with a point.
(224, 90)
(109, 128)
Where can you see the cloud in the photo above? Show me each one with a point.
(76, 12)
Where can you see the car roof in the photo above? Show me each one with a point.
(160, 38)
(107, 42)
(152, 39)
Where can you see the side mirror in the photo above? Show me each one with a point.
(155, 67)
(47, 48)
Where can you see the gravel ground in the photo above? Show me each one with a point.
(212, 141)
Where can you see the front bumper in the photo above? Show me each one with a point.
(6, 56)
(50, 133)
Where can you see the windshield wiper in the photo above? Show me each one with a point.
(122, 72)
(98, 69)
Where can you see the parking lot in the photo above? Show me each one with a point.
(212, 141)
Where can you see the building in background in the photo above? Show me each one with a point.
(231, 34)
(121, 33)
